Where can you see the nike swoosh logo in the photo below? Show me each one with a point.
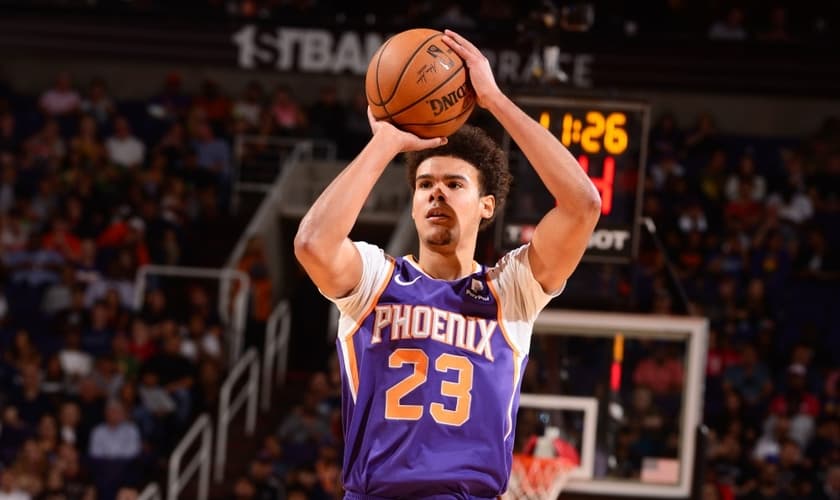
(405, 283)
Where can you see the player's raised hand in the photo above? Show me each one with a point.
(406, 141)
(481, 76)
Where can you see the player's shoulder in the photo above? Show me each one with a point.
(512, 260)
(372, 253)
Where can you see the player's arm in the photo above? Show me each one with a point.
(322, 245)
(562, 235)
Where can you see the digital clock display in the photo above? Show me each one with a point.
(608, 138)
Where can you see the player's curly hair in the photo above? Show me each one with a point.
(475, 147)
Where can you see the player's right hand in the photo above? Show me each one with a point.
(406, 141)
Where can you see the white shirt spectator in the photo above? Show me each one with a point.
(758, 187)
(75, 363)
(797, 210)
(124, 149)
(126, 152)
(58, 102)
(14, 494)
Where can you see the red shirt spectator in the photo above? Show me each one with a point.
(662, 374)
(127, 233)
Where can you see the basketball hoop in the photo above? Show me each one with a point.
(537, 478)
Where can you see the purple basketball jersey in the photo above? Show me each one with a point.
(431, 389)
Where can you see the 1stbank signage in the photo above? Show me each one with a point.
(311, 50)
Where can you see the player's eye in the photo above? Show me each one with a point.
(424, 184)
(455, 185)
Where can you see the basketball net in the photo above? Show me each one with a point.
(537, 478)
(541, 472)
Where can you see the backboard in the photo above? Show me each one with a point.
(626, 393)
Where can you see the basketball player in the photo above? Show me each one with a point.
(433, 348)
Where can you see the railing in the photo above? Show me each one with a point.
(275, 351)
(264, 168)
(228, 409)
(150, 492)
(199, 463)
(264, 225)
(232, 309)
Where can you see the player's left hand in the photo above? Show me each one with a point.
(481, 76)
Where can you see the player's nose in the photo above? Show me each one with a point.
(437, 195)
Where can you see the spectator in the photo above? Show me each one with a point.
(9, 489)
(8, 180)
(98, 104)
(730, 28)
(666, 169)
(665, 137)
(47, 436)
(248, 108)
(124, 148)
(215, 106)
(13, 433)
(46, 147)
(172, 103)
(115, 445)
(829, 489)
(76, 482)
(261, 294)
(69, 419)
(175, 373)
(62, 99)
(9, 139)
(201, 342)
(213, 155)
(814, 259)
(244, 489)
(58, 296)
(796, 404)
(289, 117)
(754, 183)
(303, 430)
(660, 372)
(265, 484)
(751, 379)
(328, 116)
(117, 437)
(30, 467)
(29, 399)
(86, 148)
(777, 28)
(702, 138)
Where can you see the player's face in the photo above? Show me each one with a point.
(448, 205)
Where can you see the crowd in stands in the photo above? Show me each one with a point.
(766, 22)
(94, 390)
(752, 225)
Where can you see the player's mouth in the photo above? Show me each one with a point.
(437, 215)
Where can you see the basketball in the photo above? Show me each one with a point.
(418, 83)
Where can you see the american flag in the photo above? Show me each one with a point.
(660, 470)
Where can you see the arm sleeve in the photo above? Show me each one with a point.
(521, 295)
(375, 271)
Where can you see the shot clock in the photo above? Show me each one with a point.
(608, 138)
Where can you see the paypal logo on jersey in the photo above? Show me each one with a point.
(478, 291)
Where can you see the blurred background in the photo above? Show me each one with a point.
(158, 337)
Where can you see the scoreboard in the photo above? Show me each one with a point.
(609, 140)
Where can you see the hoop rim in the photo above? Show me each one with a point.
(538, 477)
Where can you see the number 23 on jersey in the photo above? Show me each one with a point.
(460, 390)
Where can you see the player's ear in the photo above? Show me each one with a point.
(488, 206)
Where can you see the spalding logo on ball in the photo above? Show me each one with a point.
(419, 84)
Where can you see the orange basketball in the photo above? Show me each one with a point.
(419, 84)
